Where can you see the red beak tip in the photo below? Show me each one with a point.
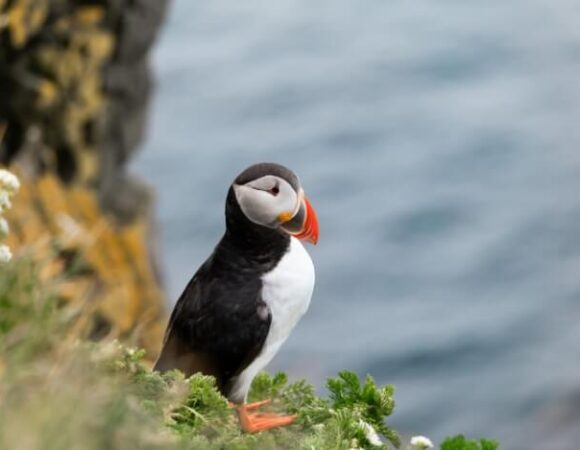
(311, 225)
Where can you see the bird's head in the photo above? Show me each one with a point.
(270, 195)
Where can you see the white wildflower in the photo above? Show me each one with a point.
(5, 254)
(4, 228)
(371, 434)
(421, 442)
(354, 445)
(5, 202)
(9, 184)
(8, 181)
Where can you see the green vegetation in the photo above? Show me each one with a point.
(59, 390)
(460, 443)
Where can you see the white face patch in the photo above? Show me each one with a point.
(265, 199)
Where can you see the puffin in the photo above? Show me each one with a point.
(246, 298)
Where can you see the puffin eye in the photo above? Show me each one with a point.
(275, 190)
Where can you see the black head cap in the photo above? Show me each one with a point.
(262, 169)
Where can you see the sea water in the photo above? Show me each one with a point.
(440, 144)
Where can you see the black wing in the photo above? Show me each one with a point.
(218, 325)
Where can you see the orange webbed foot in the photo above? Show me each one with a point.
(250, 406)
(256, 422)
(256, 405)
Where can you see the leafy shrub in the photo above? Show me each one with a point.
(459, 442)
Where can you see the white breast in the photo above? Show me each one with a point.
(287, 290)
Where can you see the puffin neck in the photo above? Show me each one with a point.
(255, 242)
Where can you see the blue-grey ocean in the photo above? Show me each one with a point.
(440, 144)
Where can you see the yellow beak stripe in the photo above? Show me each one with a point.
(285, 216)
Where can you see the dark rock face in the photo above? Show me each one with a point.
(75, 84)
(127, 84)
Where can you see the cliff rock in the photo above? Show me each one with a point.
(75, 85)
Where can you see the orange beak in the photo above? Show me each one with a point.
(309, 231)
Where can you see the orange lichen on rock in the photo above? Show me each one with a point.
(90, 259)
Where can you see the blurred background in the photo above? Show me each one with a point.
(439, 142)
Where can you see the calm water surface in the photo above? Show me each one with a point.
(440, 144)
